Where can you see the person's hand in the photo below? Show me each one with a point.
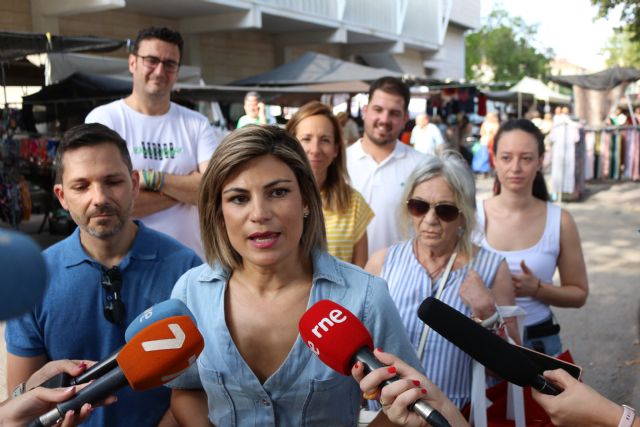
(477, 296)
(396, 398)
(25, 408)
(51, 369)
(578, 404)
(526, 284)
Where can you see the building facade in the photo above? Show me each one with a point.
(233, 39)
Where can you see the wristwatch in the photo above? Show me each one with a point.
(20, 389)
(628, 416)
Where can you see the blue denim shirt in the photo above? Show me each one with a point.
(302, 391)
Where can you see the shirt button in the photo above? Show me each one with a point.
(265, 402)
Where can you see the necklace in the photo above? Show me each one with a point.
(435, 273)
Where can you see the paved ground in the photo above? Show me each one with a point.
(604, 336)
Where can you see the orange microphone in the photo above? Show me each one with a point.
(154, 356)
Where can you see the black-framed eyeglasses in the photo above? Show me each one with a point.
(445, 211)
(152, 62)
(113, 305)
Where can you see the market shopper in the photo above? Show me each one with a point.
(254, 111)
(101, 277)
(535, 236)
(169, 145)
(378, 163)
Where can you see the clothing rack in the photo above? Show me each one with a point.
(613, 152)
(24, 158)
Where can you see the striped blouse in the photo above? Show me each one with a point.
(409, 284)
(344, 229)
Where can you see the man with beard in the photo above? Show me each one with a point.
(101, 277)
(169, 144)
(378, 163)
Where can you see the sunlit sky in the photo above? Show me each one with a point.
(566, 26)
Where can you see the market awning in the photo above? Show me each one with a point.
(314, 68)
(540, 91)
(14, 46)
(82, 87)
(602, 80)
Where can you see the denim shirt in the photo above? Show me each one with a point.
(302, 391)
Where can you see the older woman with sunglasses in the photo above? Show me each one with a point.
(441, 261)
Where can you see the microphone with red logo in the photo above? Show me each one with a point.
(162, 310)
(339, 339)
(154, 356)
(487, 348)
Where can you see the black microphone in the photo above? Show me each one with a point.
(162, 310)
(154, 356)
(487, 348)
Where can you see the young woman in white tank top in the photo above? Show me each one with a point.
(533, 235)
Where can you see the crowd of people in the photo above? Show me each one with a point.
(251, 231)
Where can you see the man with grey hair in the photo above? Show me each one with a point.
(254, 111)
(425, 136)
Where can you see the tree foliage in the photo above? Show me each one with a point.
(622, 50)
(629, 14)
(502, 51)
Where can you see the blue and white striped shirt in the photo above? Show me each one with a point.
(409, 284)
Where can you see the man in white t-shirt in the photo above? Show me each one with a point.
(426, 137)
(379, 164)
(170, 145)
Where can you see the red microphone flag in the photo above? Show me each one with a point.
(334, 334)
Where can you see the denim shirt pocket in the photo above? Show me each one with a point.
(332, 401)
(221, 408)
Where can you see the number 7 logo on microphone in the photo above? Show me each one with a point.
(169, 343)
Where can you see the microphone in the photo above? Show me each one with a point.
(488, 349)
(338, 338)
(162, 310)
(24, 274)
(159, 311)
(154, 356)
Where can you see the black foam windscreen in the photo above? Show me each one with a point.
(487, 348)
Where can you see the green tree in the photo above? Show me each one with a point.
(629, 14)
(622, 50)
(502, 51)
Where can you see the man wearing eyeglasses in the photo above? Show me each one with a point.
(170, 145)
(101, 277)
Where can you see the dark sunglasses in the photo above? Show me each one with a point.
(444, 211)
(113, 306)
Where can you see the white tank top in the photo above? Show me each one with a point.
(541, 258)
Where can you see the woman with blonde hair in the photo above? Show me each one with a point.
(266, 264)
(346, 213)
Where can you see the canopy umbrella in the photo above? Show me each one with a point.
(602, 80)
(14, 46)
(312, 68)
(597, 95)
(82, 87)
